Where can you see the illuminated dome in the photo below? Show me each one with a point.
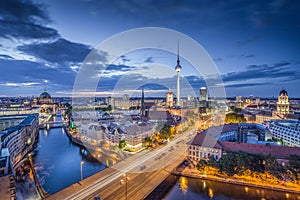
(45, 95)
(45, 98)
(283, 93)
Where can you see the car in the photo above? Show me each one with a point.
(97, 197)
(143, 167)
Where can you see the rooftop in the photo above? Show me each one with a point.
(277, 151)
(205, 140)
(217, 130)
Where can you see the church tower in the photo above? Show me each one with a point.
(283, 104)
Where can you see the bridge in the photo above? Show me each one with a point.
(142, 173)
(51, 124)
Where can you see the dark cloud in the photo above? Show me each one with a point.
(124, 59)
(276, 13)
(279, 70)
(27, 71)
(217, 59)
(242, 85)
(247, 55)
(3, 56)
(248, 40)
(23, 11)
(115, 68)
(60, 51)
(13, 29)
(149, 60)
(25, 20)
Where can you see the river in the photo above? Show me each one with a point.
(57, 163)
(192, 189)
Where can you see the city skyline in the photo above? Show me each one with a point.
(254, 44)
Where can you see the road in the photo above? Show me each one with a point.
(141, 181)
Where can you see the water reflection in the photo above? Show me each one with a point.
(190, 188)
(57, 160)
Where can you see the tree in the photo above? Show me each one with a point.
(234, 118)
(272, 166)
(294, 165)
(122, 144)
(201, 165)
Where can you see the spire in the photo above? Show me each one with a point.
(143, 101)
(178, 60)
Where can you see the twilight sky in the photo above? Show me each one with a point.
(255, 44)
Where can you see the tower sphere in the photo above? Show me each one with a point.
(178, 68)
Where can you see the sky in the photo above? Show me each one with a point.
(254, 44)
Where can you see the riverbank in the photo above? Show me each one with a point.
(194, 173)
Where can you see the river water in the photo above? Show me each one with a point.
(57, 162)
(192, 189)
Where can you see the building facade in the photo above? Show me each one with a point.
(283, 104)
(203, 94)
(288, 131)
(170, 99)
(20, 139)
(203, 147)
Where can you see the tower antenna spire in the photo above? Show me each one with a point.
(178, 60)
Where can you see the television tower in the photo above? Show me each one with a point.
(178, 69)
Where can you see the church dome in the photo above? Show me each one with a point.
(283, 93)
(45, 95)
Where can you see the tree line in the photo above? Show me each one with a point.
(240, 162)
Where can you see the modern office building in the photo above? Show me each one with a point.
(288, 131)
(15, 142)
(203, 94)
(19, 139)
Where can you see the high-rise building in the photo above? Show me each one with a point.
(178, 69)
(169, 99)
(203, 94)
(283, 104)
(143, 103)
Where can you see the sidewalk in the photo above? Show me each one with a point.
(194, 173)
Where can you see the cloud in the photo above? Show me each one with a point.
(18, 84)
(247, 55)
(13, 29)
(7, 57)
(242, 85)
(278, 70)
(217, 59)
(125, 59)
(248, 40)
(24, 20)
(123, 68)
(60, 51)
(149, 60)
(24, 71)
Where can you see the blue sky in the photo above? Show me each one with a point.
(255, 44)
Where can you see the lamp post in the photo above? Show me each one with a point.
(126, 185)
(81, 163)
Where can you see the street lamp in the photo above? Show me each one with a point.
(81, 163)
(126, 184)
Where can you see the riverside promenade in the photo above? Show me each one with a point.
(194, 173)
